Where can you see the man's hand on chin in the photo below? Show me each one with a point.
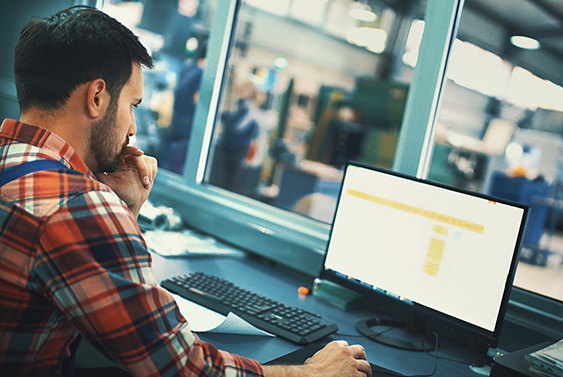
(133, 179)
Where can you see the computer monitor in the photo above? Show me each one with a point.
(430, 254)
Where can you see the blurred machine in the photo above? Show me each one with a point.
(534, 160)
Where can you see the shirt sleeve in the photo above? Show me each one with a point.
(93, 264)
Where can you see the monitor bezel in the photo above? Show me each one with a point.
(434, 320)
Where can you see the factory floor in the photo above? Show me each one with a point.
(548, 279)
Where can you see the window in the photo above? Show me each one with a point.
(498, 150)
(306, 64)
(499, 132)
(308, 86)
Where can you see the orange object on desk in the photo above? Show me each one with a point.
(303, 290)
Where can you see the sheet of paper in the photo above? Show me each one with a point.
(187, 243)
(202, 319)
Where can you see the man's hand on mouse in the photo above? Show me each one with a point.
(336, 359)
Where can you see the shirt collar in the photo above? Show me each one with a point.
(52, 146)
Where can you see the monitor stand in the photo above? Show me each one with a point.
(428, 343)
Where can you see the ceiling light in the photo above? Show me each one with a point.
(280, 62)
(362, 12)
(371, 38)
(525, 43)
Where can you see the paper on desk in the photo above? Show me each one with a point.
(186, 243)
(204, 320)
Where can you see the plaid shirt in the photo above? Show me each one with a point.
(72, 260)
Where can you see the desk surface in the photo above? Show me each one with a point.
(265, 279)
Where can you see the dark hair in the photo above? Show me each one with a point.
(79, 44)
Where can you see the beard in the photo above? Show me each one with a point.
(104, 143)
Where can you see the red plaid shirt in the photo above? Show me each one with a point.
(73, 260)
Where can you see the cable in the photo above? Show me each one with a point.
(435, 355)
(480, 363)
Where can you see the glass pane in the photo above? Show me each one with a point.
(311, 84)
(499, 132)
(175, 32)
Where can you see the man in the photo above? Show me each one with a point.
(175, 138)
(73, 262)
(241, 127)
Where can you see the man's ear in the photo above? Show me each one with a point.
(97, 99)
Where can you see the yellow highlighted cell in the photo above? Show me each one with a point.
(440, 229)
(434, 257)
(467, 225)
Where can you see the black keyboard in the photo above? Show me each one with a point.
(291, 323)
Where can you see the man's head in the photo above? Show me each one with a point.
(80, 61)
(57, 54)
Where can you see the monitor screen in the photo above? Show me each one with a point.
(445, 251)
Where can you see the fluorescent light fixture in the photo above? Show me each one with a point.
(361, 12)
(410, 57)
(371, 38)
(525, 43)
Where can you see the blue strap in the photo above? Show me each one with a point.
(17, 171)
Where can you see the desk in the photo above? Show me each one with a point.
(265, 279)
